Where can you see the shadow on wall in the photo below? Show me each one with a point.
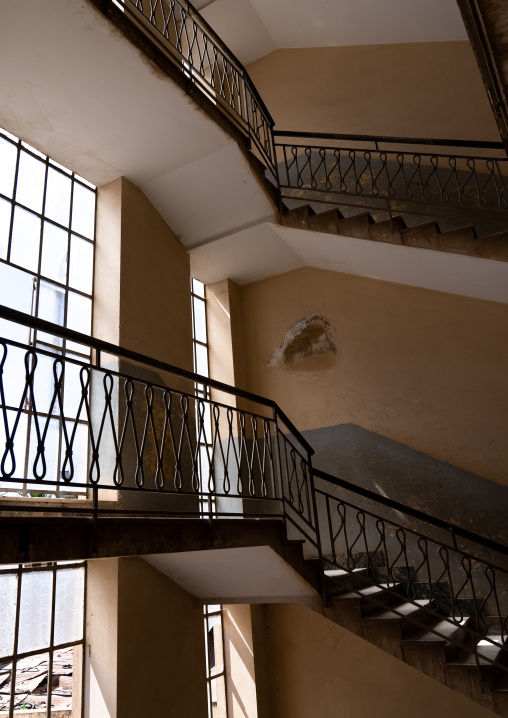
(411, 477)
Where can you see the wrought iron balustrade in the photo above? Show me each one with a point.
(185, 37)
(394, 174)
(134, 430)
(446, 572)
(125, 434)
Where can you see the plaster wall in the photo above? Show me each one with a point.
(142, 303)
(319, 669)
(101, 657)
(422, 89)
(423, 368)
(142, 286)
(161, 648)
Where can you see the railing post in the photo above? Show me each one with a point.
(314, 509)
(279, 485)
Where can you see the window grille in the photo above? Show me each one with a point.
(42, 630)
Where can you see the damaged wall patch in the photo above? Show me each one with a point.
(308, 338)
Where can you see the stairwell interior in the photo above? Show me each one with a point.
(353, 415)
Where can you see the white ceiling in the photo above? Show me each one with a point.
(253, 28)
(96, 104)
(253, 574)
(268, 249)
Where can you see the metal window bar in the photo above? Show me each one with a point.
(216, 675)
(203, 415)
(19, 199)
(8, 688)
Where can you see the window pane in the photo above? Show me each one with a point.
(30, 187)
(51, 308)
(198, 288)
(13, 378)
(8, 154)
(69, 605)
(79, 313)
(81, 265)
(43, 471)
(5, 225)
(199, 321)
(8, 595)
(58, 197)
(35, 611)
(26, 236)
(44, 384)
(16, 470)
(16, 290)
(54, 252)
(72, 393)
(201, 360)
(79, 459)
(83, 211)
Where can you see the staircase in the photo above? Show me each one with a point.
(427, 235)
(430, 594)
(415, 632)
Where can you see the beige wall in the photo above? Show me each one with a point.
(101, 655)
(142, 286)
(417, 90)
(421, 367)
(161, 646)
(319, 669)
(145, 644)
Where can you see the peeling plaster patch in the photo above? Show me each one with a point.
(303, 343)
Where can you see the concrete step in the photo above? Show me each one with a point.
(439, 633)
(372, 598)
(404, 611)
(426, 235)
(326, 221)
(298, 217)
(486, 652)
(389, 230)
(356, 226)
(422, 235)
(495, 246)
(339, 580)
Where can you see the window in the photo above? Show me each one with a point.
(215, 665)
(47, 236)
(41, 638)
(203, 413)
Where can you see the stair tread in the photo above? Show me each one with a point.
(458, 230)
(339, 572)
(405, 609)
(445, 628)
(485, 650)
(369, 591)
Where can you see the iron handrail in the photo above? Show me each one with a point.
(392, 140)
(232, 56)
(415, 513)
(13, 315)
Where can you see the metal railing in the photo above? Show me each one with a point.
(131, 429)
(395, 174)
(185, 38)
(415, 176)
(130, 432)
(448, 573)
